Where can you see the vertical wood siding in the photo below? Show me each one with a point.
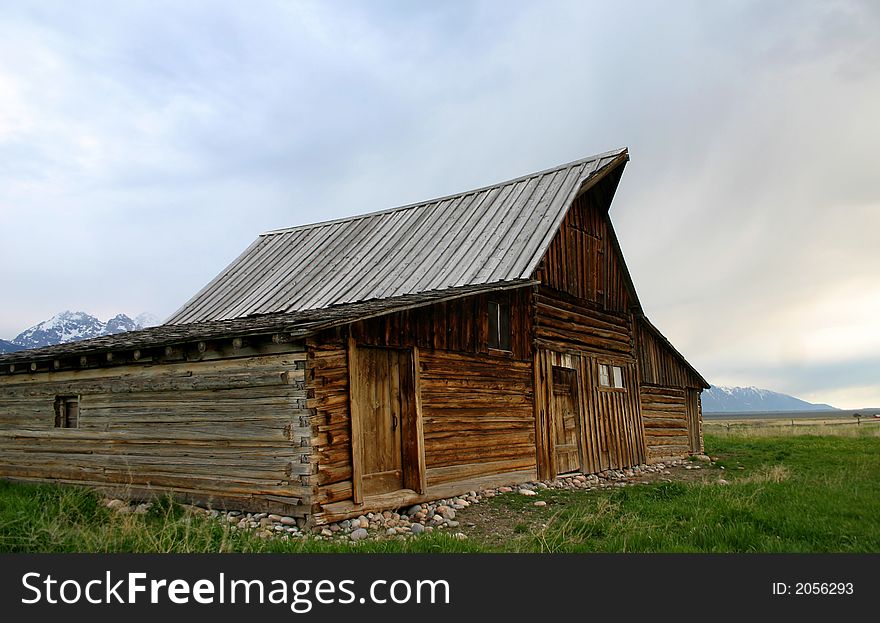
(695, 420)
(658, 365)
(582, 260)
(582, 315)
(610, 428)
(461, 325)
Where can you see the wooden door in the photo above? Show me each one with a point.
(565, 419)
(380, 408)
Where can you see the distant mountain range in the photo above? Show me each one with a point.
(71, 326)
(720, 399)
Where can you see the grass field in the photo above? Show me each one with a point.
(783, 427)
(786, 493)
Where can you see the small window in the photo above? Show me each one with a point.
(499, 325)
(66, 411)
(610, 376)
(617, 376)
(604, 375)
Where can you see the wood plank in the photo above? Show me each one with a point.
(354, 381)
(417, 480)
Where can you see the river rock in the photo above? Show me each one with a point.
(359, 534)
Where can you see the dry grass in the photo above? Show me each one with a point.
(768, 473)
(787, 427)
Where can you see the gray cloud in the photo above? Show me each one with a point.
(143, 145)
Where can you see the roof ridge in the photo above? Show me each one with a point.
(409, 206)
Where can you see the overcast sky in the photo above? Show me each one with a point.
(144, 145)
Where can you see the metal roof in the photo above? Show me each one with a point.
(494, 234)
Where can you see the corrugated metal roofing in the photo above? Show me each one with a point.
(495, 234)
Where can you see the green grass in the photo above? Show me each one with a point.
(793, 494)
(49, 518)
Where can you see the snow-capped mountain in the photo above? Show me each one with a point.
(146, 320)
(8, 347)
(120, 323)
(72, 326)
(720, 399)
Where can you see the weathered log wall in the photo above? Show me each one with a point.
(226, 432)
(475, 405)
(477, 419)
(563, 323)
(478, 415)
(664, 412)
(327, 386)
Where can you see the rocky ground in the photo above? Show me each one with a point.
(457, 516)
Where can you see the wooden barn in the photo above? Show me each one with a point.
(484, 338)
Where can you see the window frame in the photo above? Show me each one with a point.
(604, 375)
(617, 377)
(611, 373)
(500, 338)
(62, 409)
